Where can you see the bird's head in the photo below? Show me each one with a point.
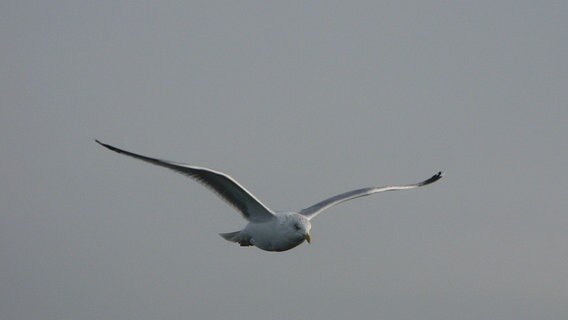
(300, 226)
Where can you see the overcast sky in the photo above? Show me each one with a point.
(298, 100)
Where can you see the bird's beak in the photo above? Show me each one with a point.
(308, 238)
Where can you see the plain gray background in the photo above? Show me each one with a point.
(298, 100)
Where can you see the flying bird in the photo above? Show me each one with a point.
(266, 229)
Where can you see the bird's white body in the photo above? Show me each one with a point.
(285, 231)
(266, 230)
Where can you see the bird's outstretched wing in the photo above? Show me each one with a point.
(317, 208)
(223, 185)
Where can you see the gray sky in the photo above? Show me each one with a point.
(298, 100)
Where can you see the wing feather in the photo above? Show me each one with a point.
(317, 208)
(222, 184)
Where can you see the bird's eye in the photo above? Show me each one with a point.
(296, 226)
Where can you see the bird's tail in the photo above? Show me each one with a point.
(235, 237)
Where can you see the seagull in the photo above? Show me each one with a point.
(266, 229)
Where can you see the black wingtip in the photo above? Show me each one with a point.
(433, 178)
(103, 144)
(109, 146)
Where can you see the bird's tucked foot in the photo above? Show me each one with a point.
(245, 243)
